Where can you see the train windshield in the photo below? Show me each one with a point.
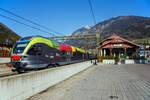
(19, 47)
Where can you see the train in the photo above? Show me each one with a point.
(36, 52)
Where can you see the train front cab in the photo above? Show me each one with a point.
(32, 59)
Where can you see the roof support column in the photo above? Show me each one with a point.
(136, 50)
(104, 52)
(125, 51)
(110, 51)
(101, 52)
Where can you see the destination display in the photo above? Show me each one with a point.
(22, 45)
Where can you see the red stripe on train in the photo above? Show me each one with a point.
(16, 57)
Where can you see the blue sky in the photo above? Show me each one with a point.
(65, 16)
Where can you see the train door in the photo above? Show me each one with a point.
(40, 55)
(58, 56)
(45, 55)
(53, 56)
(62, 59)
(68, 56)
(32, 57)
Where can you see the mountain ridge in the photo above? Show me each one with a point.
(129, 27)
(82, 30)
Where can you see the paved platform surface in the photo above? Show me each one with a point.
(4, 60)
(102, 82)
(5, 70)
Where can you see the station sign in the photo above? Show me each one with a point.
(141, 53)
(147, 46)
(118, 45)
(141, 47)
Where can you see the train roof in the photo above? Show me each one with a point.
(57, 45)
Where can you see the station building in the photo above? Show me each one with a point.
(116, 46)
(5, 50)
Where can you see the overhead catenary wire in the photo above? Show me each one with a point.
(26, 24)
(97, 33)
(25, 19)
(92, 12)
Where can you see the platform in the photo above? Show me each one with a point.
(103, 82)
(5, 70)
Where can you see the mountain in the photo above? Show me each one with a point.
(82, 43)
(7, 35)
(82, 30)
(129, 27)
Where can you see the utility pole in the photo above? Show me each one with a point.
(98, 45)
(97, 34)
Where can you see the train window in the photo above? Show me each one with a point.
(20, 46)
(32, 51)
(62, 52)
(51, 55)
(39, 50)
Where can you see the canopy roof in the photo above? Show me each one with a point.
(115, 41)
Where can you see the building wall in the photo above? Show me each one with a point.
(5, 50)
